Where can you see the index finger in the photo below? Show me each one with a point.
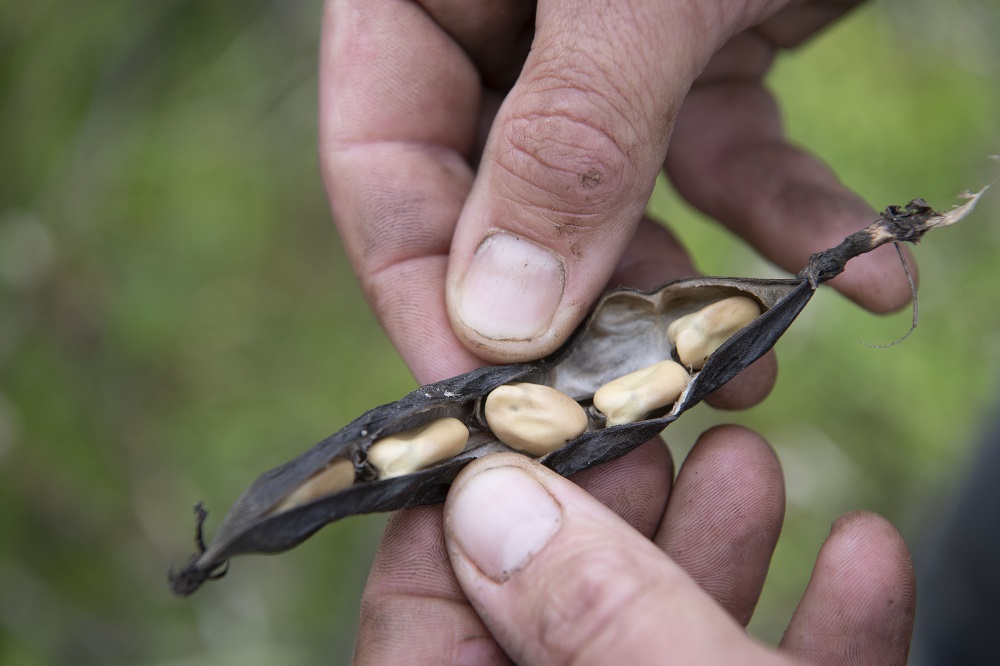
(398, 107)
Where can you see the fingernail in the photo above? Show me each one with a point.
(512, 288)
(501, 518)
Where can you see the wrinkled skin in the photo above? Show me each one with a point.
(443, 139)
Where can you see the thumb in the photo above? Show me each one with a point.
(570, 162)
(559, 578)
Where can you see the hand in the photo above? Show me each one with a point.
(547, 575)
(486, 194)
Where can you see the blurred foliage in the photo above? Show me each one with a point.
(177, 315)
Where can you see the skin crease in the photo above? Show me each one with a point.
(443, 123)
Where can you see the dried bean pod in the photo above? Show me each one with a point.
(625, 333)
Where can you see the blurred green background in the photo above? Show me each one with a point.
(177, 315)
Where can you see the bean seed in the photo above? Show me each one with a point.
(417, 448)
(631, 397)
(533, 418)
(336, 476)
(700, 333)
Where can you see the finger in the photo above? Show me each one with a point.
(749, 387)
(725, 516)
(559, 578)
(859, 605)
(413, 610)
(655, 256)
(795, 24)
(730, 159)
(399, 102)
(635, 486)
(570, 164)
(496, 35)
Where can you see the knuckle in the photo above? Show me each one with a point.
(591, 597)
(565, 165)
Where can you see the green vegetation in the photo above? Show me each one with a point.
(177, 315)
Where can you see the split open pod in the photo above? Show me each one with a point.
(639, 361)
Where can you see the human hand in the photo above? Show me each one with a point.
(547, 575)
(486, 194)
(430, 150)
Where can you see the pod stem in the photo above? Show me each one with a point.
(201, 514)
(896, 224)
(191, 577)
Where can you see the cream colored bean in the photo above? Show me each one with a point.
(534, 419)
(700, 333)
(334, 477)
(631, 397)
(417, 448)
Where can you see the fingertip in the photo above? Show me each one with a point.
(861, 597)
(879, 281)
(498, 516)
(736, 437)
(635, 486)
(412, 609)
(517, 301)
(558, 578)
(725, 516)
(749, 387)
(412, 560)
(507, 304)
(866, 537)
(783, 200)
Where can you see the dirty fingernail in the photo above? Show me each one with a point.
(501, 518)
(512, 288)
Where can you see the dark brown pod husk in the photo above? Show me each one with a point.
(625, 332)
